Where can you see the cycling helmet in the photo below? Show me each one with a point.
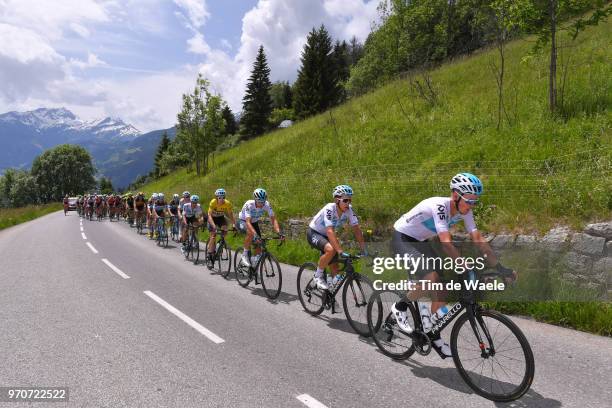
(154, 196)
(466, 183)
(260, 194)
(186, 194)
(161, 196)
(220, 193)
(195, 198)
(175, 196)
(342, 190)
(141, 194)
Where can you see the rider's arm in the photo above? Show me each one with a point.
(333, 240)
(250, 226)
(275, 224)
(210, 218)
(484, 247)
(359, 237)
(447, 244)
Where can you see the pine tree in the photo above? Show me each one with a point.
(342, 65)
(317, 87)
(161, 149)
(287, 96)
(257, 103)
(230, 121)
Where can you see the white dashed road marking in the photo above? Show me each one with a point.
(114, 268)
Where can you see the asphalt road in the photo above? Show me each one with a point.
(147, 329)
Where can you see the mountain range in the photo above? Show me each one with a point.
(119, 150)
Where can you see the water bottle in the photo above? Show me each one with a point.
(254, 260)
(330, 281)
(217, 246)
(338, 279)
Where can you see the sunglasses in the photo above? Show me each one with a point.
(346, 200)
(469, 201)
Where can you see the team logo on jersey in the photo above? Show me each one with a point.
(441, 212)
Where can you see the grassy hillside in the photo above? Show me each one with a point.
(394, 148)
(14, 216)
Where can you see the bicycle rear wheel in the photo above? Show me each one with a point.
(501, 371)
(311, 297)
(383, 327)
(194, 253)
(271, 276)
(356, 293)
(243, 273)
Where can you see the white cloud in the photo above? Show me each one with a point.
(197, 45)
(92, 61)
(196, 10)
(281, 26)
(226, 44)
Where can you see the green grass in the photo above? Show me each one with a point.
(395, 149)
(14, 216)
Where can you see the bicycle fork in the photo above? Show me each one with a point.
(477, 321)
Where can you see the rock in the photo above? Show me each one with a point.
(577, 263)
(603, 266)
(488, 236)
(601, 229)
(555, 240)
(609, 248)
(592, 286)
(296, 222)
(525, 241)
(461, 236)
(569, 277)
(502, 241)
(588, 244)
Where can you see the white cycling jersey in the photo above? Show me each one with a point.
(250, 210)
(328, 217)
(189, 210)
(430, 217)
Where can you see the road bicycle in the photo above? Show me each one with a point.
(140, 221)
(356, 292)
(191, 249)
(266, 270)
(223, 253)
(162, 232)
(490, 352)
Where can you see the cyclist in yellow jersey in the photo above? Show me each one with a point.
(218, 209)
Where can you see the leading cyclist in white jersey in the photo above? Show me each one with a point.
(432, 218)
(322, 236)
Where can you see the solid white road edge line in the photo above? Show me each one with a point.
(114, 268)
(309, 401)
(94, 250)
(203, 330)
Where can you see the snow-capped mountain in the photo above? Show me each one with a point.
(112, 143)
(62, 119)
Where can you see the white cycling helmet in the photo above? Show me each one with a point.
(260, 194)
(161, 196)
(186, 194)
(220, 193)
(195, 198)
(466, 183)
(175, 196)
(342, 190)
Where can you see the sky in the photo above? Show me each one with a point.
(133, 59)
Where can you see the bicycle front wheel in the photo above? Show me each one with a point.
(311, 297)
(194, 254)
(271, 276)
(356, 293)
(500, 370)
(383, 327)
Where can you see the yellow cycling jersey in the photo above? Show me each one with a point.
(219, 210)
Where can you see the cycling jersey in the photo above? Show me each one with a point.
(139, 202)
(250, 210)
(130, 201)
(219, 210)
(430, 217)
(160, 208)
(328, 217)
(173, 207)
(183, 201)
(190, 211)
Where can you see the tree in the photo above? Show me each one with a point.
(106, 186)
(544, 21)
(355, 51)
(164, 143)
(24, 190)
(257, 103)
(200, 125)
(64, 169)
(230, 121)
(317, 87)
(342, 69)
(287, 96)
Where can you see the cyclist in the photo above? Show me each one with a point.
(90, 205)
(218, 208)
(192, 214)
(65, 204)
(321, 234)
(173, 207)
(98, 205)
(139, 205)
(150, 205)
(248, 223)
(160, 209)
(129, 206)
(183, 201)
(112, 201)
(432, 218)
